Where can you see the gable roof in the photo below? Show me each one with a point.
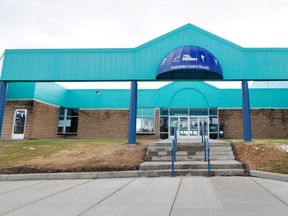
(141, 63)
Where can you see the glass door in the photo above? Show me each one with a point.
(183, 128)
(204, 120)
(19, 124)
(188, 127)
(194, 130)
(173, 122)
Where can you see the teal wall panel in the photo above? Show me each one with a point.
(18, 90)
(176, 94)
(141, 63)
(51, 93)
(63, 65)
(107, 99)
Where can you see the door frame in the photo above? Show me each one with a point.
(18, 135)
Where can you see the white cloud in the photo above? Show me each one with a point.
(129, 23)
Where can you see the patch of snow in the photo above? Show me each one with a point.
(283, 148)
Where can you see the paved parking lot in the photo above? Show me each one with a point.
(146, 196)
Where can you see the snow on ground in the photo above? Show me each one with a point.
(283, 148)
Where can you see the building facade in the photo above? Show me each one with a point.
(33, 106)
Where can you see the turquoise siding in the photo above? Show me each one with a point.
(176, 94)
(51, 93)
(20, 90)
(141, 63)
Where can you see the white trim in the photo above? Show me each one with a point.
(103, 109)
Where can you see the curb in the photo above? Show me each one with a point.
(269, 175)
(115, 174)
(65, 176)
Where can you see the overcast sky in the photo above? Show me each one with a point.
(130, 23)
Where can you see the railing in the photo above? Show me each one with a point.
(173, 151)
(206, 148)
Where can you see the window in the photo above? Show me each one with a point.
(213, 123)
(145, 120)
(164, 119)
(68, 121)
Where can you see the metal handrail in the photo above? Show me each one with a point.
(173, 151)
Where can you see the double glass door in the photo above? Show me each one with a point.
(188, 127)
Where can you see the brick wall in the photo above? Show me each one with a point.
(44, 124)
(41, 120)
(265, 123)
(103, 124)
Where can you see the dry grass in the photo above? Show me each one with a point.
(77, 155)
(70, 155)
(264, 155)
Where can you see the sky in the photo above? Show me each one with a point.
(26, 24)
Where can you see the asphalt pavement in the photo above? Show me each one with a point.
(178, 196)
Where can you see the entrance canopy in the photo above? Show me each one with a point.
(190, 62)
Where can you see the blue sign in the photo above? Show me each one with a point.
(190, 62)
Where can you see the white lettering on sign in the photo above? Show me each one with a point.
(190, 67)
(204, 67)
(188, 58)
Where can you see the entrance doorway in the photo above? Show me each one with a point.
(188, 127)
(19, 124)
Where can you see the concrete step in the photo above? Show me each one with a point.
(198, 172)
(187, 153)
(190, 148)
(190, 158)
(191, 165)
(199, 144)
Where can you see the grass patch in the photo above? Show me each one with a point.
(269, 155)
(70, 155)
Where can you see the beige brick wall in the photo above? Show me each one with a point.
(103, 124)
(265, 123)
(44, 121)
(109, 124)
(41, 121)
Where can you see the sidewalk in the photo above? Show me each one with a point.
(178, 196)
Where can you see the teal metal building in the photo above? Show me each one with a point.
(34, 107)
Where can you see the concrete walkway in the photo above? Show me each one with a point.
(146, 196)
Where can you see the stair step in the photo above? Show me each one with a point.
(191, 165)
(185, 153)
(198, 172)
(189, 158)
(183, 145)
